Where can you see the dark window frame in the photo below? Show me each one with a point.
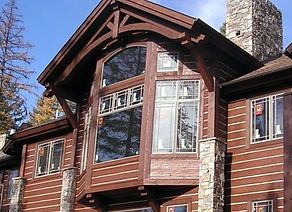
(103, 91)
(47, 171)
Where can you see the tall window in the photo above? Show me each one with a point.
(49, 158)
(120, 112)
(267, 118)
(87, 124)
(176, 116)
(262, 206)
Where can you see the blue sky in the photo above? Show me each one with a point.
(49, 24)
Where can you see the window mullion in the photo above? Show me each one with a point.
(50, 158)
(271, 118)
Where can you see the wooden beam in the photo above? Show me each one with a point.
(124, 21)
(205, 74)
(287, 152)
(116, 26)
(23, 159)
(68, 111)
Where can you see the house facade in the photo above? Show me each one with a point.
(171, 116)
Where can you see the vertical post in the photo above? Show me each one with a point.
(68, 189)
(287, 114)
(211, 175)
(17, 194)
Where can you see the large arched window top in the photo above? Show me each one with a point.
(128, 63)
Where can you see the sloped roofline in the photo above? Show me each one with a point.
(177, 18)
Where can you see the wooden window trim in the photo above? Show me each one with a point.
(49, 175)
(174, 152)
(273, 198)
(248, 133)
(100, 91)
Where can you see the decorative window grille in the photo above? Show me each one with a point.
(49, 158)
(262, 206)
(176, 116)
(121, 100)
(267, 118)
(167, 61)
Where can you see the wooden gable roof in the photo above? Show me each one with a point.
(113, 20)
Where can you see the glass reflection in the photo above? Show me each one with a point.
(124, 65)
(119, 135)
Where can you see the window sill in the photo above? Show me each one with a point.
(262, 144)
(175, 155)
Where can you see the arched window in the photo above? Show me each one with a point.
(120, 111)
(124, 65)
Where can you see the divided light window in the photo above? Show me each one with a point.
(119, 124)
(167, 61)
(267, 118)
(49, 158)
(120, 110)
(124, 65)
(262, 206)
(176, 116)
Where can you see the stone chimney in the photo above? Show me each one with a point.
(255, 26)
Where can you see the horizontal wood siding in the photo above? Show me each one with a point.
(222, 119)
(252, 172)
(43, 193)
(115, 174)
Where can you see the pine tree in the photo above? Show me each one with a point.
(14, 59)
(222, 29)
(46, 110)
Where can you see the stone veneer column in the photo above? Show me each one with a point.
(17, 194)
(211, 175)
(68, 189)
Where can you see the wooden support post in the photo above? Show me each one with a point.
(287, 152)
(23, 159)
(68, 111)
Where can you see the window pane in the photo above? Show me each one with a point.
(56, 156)
(278, 116)
(263, 206)
(164, 120)
(167, 61)
(187, 127)
(166, 90)
(179, 208)
(43, 159)
(189, 90)
(119, 135)
(260, 120)
(124, 65)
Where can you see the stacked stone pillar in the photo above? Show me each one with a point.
(68, 189)
(211, 175)
(17, 195)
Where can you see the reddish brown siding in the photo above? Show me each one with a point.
(253, 172)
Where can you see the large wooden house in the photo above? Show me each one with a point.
(171, 116)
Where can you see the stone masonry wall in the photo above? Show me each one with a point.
(68, 190)
(255, 26)
(211, 175)
(17, 195)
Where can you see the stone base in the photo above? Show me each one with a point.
(211, 175)
(17, 194)
(68, 189)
